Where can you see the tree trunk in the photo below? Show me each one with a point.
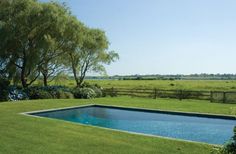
(45, 80)
(81, 80)
(23, 76)
(75, 75)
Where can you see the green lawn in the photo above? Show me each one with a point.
(25, 134)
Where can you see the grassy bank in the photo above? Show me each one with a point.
(23, 134)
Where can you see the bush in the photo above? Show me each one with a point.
(86, 85)
(230, 147)
(86, 93)
(37, 93)
(32, 92)
(68, 95)
(44, 95)
(4, 86)
(64, 95)
(16, 93)
(98, 91)
(96, 88)
(57, 92)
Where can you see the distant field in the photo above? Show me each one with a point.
(227, 85)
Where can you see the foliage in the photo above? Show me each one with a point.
(4, 87)
(21, 37)
(91, 55)
(16, 93)
(60, 79)
(64, 95)
(85, 93)
(41, 94)
(44, 38)
(230, 147)
(96, 88)
(57, 92)
(66, 35)
(37, 93)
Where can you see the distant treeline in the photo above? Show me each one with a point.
(202, 76)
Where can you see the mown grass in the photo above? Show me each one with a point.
(25, 134)
(205, 85)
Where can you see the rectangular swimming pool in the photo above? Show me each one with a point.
(194, 127)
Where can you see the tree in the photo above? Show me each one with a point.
(92, 55)
(56, 42)
(30, 36)
(75, 33)
(35, 38)
(20, 34)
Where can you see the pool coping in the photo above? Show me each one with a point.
(196, 114)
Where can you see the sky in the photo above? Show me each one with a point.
(165, 36)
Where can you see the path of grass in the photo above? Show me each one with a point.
(23, 134)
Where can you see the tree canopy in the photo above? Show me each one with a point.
(36, 37)
(92, 55)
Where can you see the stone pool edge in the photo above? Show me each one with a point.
(196, 114)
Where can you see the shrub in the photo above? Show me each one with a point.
(38, 93)
(16, 93)
(98, 91)
(59, 92)
(86, 93)
(64, 95)
(56, 92)
(68, 95)
(86, 85)
(4, 86)
(32, 92)
(43, 95)
(230, 147)
(96, 88)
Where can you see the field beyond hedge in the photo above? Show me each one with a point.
(205, 85)
(229, 85)
(24, 134)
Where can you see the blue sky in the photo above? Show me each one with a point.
(165, 36)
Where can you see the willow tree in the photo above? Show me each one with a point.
(31, 35)
(92, 55)
(75, 32)
(57, 16)
(20, 36)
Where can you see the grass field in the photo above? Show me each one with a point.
(228, 85)
(167, 84)
(24, 134)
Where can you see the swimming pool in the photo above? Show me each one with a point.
(187, 126)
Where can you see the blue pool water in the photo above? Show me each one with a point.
(209, 129)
